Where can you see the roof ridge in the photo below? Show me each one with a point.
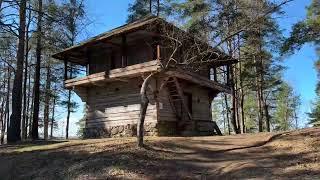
(119, 27)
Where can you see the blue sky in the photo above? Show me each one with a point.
(107, 14)
(301, 73)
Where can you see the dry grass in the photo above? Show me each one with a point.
(292, 155)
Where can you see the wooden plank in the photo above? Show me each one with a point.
(130, 71)
(85, 78)
(115, 111)
(108, 123)
(136, 66)
(158, 53)
(119, 118)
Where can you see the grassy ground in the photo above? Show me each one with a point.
(291, 155)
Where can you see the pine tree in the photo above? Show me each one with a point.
(74, 15)
(143, 8)
(15, 118)
(308, 31)
(36, 100)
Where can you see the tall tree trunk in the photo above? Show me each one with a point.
(15, 118)
(52, 117)
(261, 83)
(47, 103)
(235, 77)
(260, 111)
(36, 103)
(143, 109)
(234, 103)
(24, 125)
(243, 126)
(68, 108)
(24, 117)
(296, 119)
(232, 84)
(227, 113)
(223, 116)
(28, 124)
(258, 94)
(150, 6)
(2, 120)
(158, 8)
(7, 111)
(31, 113)
(226, 78)
(241, 88)
(3, 112)
(68, 113)
(266, 111)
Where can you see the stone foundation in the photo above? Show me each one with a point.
(129, 130)
(162, 128)
(166, 128)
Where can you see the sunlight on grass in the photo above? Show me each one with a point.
(40, 147)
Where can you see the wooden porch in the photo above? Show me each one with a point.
(138, 70)
(120, 74)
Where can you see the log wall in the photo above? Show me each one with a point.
(113, 109)
(117, 103)
(201, 107)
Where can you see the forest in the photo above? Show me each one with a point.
(32, 93)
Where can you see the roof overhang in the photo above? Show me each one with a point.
(200, 80)
(78, 54)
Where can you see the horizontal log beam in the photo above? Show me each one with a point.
(114, 75)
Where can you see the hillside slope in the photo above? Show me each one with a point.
(290, 155)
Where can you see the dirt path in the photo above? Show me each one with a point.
(293, 155)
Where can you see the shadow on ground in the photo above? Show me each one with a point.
(263, 156)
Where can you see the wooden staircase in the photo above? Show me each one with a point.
(176, 97)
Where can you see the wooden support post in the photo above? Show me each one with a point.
(228, 74)
(215, 74)
(124, 55)
(155, 48)
(87, 70)
(88, 56)
(158, 53)
(112, 61)
(65, 70)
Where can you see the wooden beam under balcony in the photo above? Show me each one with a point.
(113, 75)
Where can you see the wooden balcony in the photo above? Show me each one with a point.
(122, 74)
(113, 75)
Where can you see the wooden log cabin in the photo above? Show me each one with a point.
(116, 64)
